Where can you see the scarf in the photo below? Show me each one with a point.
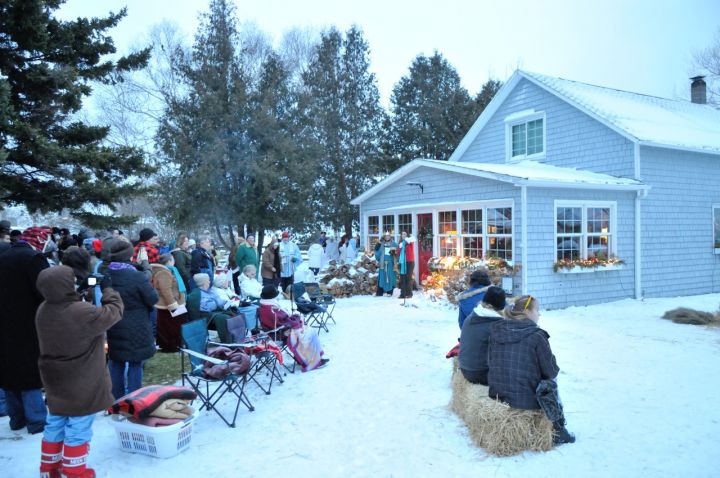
(403, 262)
(118, 266)
(178, 278)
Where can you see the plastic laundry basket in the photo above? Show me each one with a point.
(160, 442)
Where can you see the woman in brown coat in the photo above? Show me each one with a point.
(170, 299)
(270, 264)
(71, 335)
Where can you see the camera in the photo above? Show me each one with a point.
(94, 279)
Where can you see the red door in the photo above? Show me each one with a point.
(425, 243)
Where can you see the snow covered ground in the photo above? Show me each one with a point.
(640, 393)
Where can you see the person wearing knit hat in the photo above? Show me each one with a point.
(146, 251)
(130, 341)
(20, 266)
(118, 250)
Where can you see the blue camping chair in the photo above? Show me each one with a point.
(314, 314)
(209, 390)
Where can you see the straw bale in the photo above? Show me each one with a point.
(493, 425)
(683, 315)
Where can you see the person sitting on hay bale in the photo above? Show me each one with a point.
(470, 298)
(522, 367)
(475, 335)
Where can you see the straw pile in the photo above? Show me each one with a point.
(683, 315)
(494, 426)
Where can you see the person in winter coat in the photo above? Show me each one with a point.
(352, 250)
(315, 257)
(290, 259)
(249, 284)
(130, 341)
(331, 250)
(20, 266)
(302, 341)
(406, 264)
(247, 254)
(475, 336)
(470, 298)
(71, 336)
(170, 299)
(78, 259)
(270, 270)
(182, 258)
(342, 249)
(202, 260)
(522, 367)
(386, 255)
(146, 250)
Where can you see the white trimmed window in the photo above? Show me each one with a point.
(472, 233)
(447, 228)
(584, 230)
(716, 227)
(525, 135)
(388, 224)
(499, 232)
(373, 231)
(404, 224)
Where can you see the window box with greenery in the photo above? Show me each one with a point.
(594, 264)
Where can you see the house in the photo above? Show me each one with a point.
(594, 194)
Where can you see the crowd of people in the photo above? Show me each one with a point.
(66, 297)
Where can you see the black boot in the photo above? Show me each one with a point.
(561, 434)
(379, 292)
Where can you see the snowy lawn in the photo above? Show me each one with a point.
(640, 393)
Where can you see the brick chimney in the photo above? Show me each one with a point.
(698, 90)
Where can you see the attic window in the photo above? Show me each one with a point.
(525, 135)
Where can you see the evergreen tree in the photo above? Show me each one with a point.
(50, 160)
(431, 111)
(202, 132)
(342, 107)
(484, 97)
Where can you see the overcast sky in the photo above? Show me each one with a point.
(643, 46)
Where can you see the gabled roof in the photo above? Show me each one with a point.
(646, 120)
(522, 173)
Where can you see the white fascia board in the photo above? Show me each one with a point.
(485, 116)
(677, 147)
(582, 185)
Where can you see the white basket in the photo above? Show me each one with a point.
(160, 442)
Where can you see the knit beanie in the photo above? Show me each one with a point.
(147, 234)
(119, 250)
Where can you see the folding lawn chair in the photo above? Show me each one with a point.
(317, 296)
(314, 314)
(268, 323)
(209, 390)
(260, 349)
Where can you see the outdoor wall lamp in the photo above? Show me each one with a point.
(409, 183)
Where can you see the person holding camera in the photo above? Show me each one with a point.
(71, 337)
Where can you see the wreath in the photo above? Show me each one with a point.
(425, 237)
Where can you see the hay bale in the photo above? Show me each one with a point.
(493, 425)
(683, 315)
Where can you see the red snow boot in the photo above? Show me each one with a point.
(74, 462)
(50, 459)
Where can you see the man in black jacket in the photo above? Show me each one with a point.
(19, 349)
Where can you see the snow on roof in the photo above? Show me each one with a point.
(650, 119)
(530, 173)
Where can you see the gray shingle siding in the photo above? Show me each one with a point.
(561, 290)
(573, 139)
(677, 235)
(439, 187)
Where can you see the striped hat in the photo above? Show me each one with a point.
(36, 237)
